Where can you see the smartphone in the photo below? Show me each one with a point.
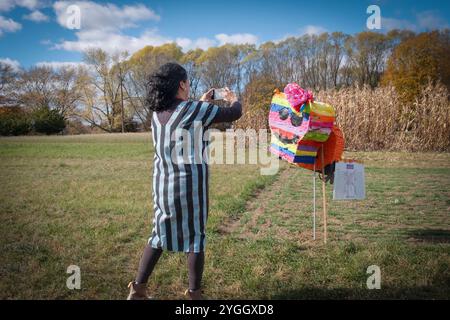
(218, 94)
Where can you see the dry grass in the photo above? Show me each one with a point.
(377, 120)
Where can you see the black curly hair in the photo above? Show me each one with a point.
(163, 84)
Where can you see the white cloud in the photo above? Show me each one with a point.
(13, 63)
(36, 16)
(106, 16)
(392, 23)
(102, 26)
(184, 43)
(307, 30)
(312, 30)
(430, 20)
(219, 39)
(8, 25)
(116, 41)
(204, 43)
(111, 42)
(7, 5)
(187, 44)
(238, 38)
(59, 64)
(425, 21)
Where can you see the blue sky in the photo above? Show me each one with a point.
(35, 31)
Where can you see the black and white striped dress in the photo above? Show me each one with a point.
(180, 188)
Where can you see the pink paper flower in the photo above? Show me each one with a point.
(297, 96)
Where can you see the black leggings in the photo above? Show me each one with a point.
(151, 256)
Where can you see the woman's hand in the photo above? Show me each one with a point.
(207, 96)
(230, 96)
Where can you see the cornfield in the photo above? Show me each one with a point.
(377, 119)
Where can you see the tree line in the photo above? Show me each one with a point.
(107, 91)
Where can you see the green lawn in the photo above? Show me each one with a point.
(86, 200)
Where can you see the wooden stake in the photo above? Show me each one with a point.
(314, 201)
(324, 200)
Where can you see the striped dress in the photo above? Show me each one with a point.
(180, 188)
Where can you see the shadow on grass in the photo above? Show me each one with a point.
(419, 292)
(429, 235)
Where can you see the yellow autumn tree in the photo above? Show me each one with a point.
(256, 100)
(417, 61)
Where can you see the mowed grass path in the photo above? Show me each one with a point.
(86, 200)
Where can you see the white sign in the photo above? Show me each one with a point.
(349, 181)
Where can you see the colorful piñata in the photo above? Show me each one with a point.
(299, 125)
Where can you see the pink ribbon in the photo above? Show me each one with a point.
(297, 96)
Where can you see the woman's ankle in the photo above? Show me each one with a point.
(194, 294)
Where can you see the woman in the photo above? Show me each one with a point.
(180, 188)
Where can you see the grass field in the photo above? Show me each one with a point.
(86, 200)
